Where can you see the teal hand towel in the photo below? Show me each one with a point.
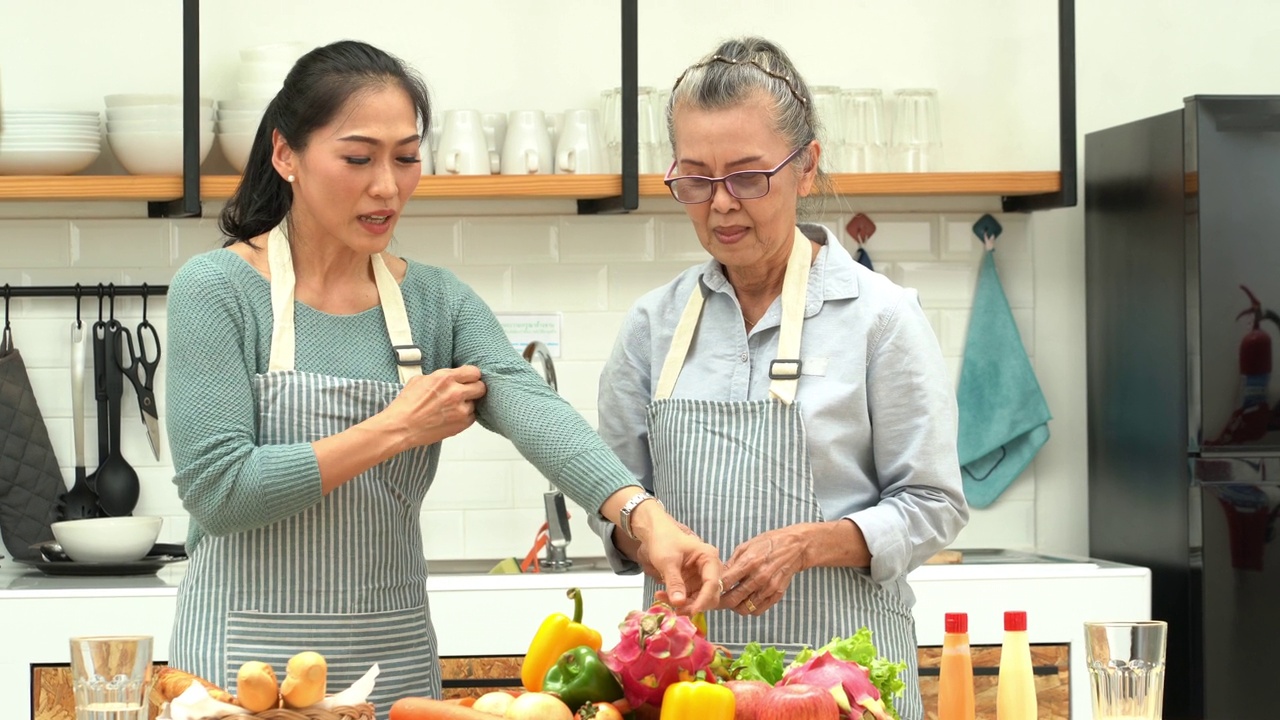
(1003, 415)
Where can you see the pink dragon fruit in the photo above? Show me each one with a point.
(658, 647)
(847, 681)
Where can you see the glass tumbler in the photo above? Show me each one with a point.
(916, 137)
(1126, 668)
(110, 676)
(864, 131)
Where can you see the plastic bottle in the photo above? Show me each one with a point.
(955, 677)
(1016, 692)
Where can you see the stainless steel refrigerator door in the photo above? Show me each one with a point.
(1232, 185)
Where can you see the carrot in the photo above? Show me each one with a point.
(418, 708)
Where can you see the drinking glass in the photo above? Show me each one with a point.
(916, 138)
(110, 676)
(864, 132)
(1126, 668)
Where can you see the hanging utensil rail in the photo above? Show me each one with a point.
(82, 290)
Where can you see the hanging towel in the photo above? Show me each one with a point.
(1003, 415)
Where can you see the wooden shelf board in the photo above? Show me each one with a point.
(166, 187)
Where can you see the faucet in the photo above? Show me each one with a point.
(558, 535)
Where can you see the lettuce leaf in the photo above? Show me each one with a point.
(759, 663)
(858, 648)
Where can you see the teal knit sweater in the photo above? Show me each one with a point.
(219, 337)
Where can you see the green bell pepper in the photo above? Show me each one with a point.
(580, 677)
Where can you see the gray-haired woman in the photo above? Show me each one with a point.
(781, 399)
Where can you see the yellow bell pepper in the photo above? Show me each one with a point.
(557, 635)
(697, 699)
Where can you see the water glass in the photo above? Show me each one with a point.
(864, 132)
(916, 136)
(111, 676)
(1126, 669)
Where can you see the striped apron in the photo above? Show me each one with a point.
(345, 577)
(733, 470)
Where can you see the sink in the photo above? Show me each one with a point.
(482, 567)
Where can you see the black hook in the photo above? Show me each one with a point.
(101, 290)
(78, 323)
(144, 303)
(7, 294)
(111, 292)
(6, 338)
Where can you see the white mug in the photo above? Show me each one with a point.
(463, 149)
(495, 134)
(527, 149)
(581, 148)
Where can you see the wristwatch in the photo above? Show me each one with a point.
(624, 515)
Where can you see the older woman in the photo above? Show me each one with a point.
(781, 399)
(312, 376)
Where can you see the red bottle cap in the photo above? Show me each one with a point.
(1015, 621)
(957, 622)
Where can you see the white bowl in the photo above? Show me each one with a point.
(46, 161)
(154, 153)
(153, 126)
(238, 126)
(243, 104)
(154, 112)
(50, 144)
(125, 99)
(109, 539)
(236, 147)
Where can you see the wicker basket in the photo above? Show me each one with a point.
(364, 711)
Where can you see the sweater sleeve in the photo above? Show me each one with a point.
(227, 482)
(520, 406)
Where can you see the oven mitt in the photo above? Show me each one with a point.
(30, 481)
(1003, 415)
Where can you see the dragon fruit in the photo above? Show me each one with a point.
(847, 681)
(658, 647)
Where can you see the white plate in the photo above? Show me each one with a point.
(45, 162)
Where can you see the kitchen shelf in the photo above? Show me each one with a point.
(214, 187)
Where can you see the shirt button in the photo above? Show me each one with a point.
(743, 357)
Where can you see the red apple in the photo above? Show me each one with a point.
(747, 695)
(799, 702)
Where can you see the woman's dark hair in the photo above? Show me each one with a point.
(317, 87)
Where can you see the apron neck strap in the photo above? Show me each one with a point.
(280, 260)
(784, 371)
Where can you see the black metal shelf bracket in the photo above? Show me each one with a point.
(630, 198)
(189, 204)
(1068, 159)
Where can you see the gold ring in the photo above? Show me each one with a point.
(751, 607)
(721, 586)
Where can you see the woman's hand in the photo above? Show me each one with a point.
(760, 570)
(685, 564)
(433, 407)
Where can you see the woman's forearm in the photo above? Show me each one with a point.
(838, 543)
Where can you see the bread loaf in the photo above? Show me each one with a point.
(257, 688)
(172, 682)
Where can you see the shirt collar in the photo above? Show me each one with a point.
(832, 276)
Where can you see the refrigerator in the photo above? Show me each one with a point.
(1182, 243)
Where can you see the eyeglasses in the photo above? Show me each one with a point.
(743, 185)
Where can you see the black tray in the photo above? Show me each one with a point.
(161, 554)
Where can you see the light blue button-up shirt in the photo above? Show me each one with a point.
(877, 400)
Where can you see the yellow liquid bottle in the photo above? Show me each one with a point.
(1016, 692)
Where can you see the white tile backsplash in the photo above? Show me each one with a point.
(486, 501)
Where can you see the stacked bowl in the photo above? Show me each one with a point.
(145, 132)
(259, 77)
(48, 142)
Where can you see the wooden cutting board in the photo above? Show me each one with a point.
(946, 557)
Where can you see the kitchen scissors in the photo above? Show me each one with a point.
(141, 371)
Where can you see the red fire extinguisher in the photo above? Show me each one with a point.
(1251, 417)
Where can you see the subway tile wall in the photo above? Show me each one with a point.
(486, 501)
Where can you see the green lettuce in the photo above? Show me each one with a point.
(759, 663)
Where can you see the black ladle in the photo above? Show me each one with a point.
(81, 501)
(117, 483)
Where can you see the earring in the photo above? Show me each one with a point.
(290, 178)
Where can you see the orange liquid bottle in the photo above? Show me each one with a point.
(955, 677)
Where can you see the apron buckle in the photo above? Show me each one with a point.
(785, 369)
(407, 355)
